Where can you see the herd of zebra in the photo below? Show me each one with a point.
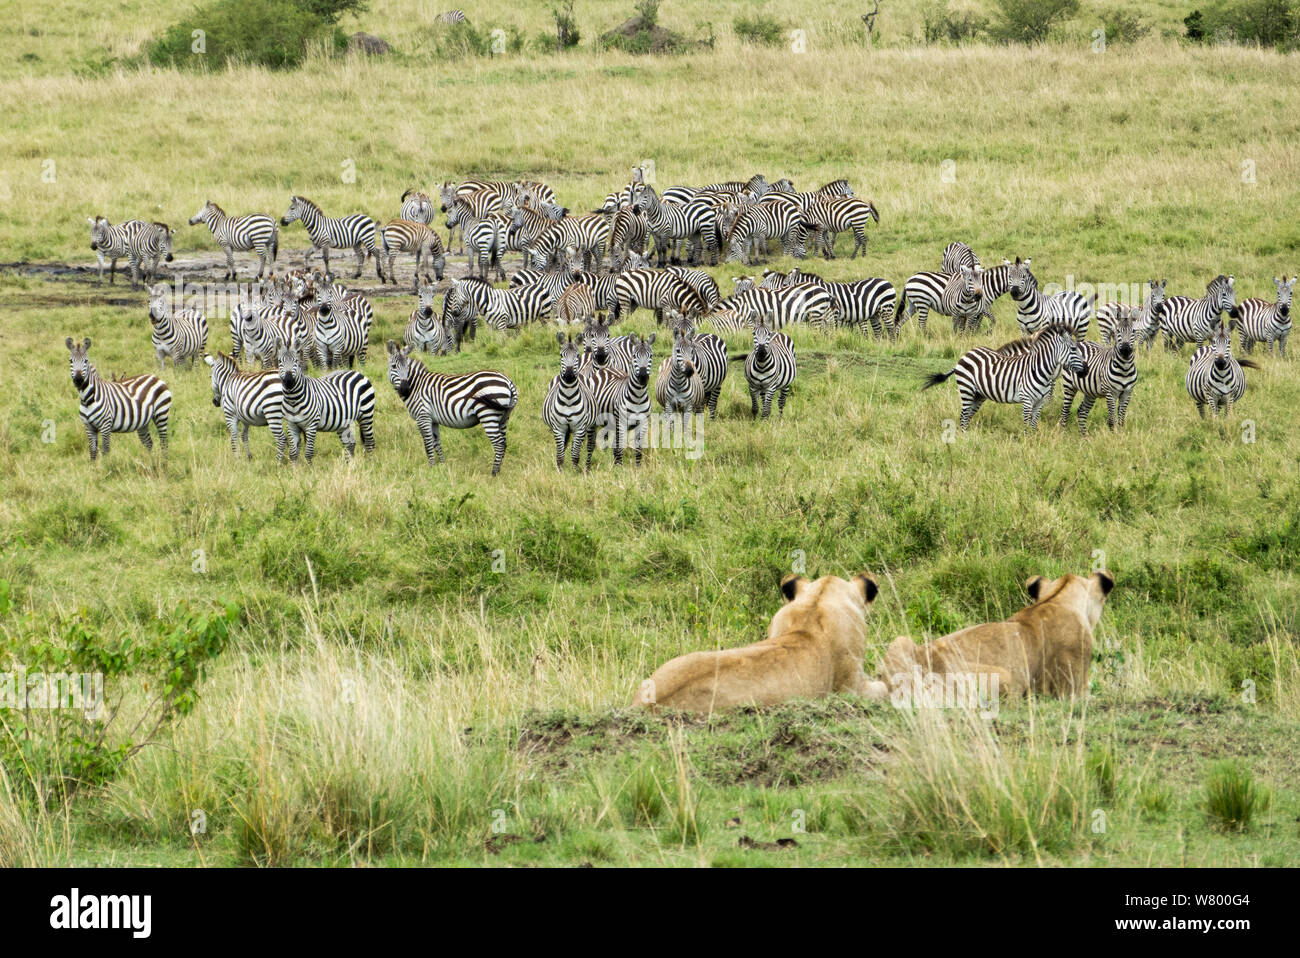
(594, 270)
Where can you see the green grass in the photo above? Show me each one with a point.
(391, 698)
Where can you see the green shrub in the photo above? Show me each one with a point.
(1232, 797)
(943, 25)
(1030, 21)
(1268, 23)
(759, 29)
(271, 33)
(1123, 26)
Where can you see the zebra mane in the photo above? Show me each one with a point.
(1024, 344)
(217, 208)
(408, 192)
(307, 202)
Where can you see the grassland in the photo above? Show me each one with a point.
(390, 697)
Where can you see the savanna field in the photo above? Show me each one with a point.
(434, 666)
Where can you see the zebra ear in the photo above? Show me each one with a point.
(85, 344)
(651, 340)
(559, 337)
(69, 343)
(392, 347)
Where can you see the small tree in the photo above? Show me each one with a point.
(566, 25)
(1030, 21)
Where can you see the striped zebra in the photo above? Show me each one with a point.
(1265, 322)
(1146, 319)
(710, 362)
(657, 290)
(408, 236)
(1215, 377)
(117, 405)
(587, 234)
(136, 241)
(482, 237)
(355, 232)
(628, 234)
(451, 16)
(770, 369)
(866, 303)
(622, 400)
(255, 232)
(331, 403)
(678, 387)
(417, 207)
(778, 308)
(1023, 371)
(273, 320)
(758, 223)
(569, 408)
(622, 199)
(507, 308)
(181, 334)
(577, 304)
(1188, 320)
(959, 295)
(667, 223)
(730, 321)
(425, 330)
(700, 281)
(835, 215)
(342, 332)
(433, 400)
(955, 256)
(1110, 373)
(1035, 311)
(246, 400)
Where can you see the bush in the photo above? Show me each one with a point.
(759, 29)
(1232, 797)
(942, 25)
(1122, 26)
(1268, 23)
(566, 25)
(1030, 21)
(270, 33)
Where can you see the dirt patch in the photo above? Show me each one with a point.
(636, 36)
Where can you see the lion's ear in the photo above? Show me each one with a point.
(1033, 585)
(790, 586)
(1106, 580)
(868, 585)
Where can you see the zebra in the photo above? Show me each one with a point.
(867, 302)
(959, 295)
(587, 234)
(248, 399)
(459, 314)
(1188, 320)
(1034, 310)
(1215, 377)
(577, 304)
(700, 281)
(482, 237)
(408, 236)
(1146, 319)
(710, 363)
(569, 407)
(135, 240)
(757, 223)
(1265, 322)
(180, 334)
(730, 320)
(256, 232)
(117, 405)
(1110, 374)
(835, 215)
(806, 302)
(601, 351)
(678, 387)
(355, 232)
(622, 199)
(1023, 371)
(628, 233)
(417, 207)
(622, 399)
(667, 223)
(451, 16)
(426, 331)
(957, 255)
(507, 308)
(657, 290)
(342, 329)
(433, 400)
(770, 369)
(331, 403)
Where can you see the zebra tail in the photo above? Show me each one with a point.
(275, 243)
(1248, 364)
(937, 378)
(900, 305)
(738, 359)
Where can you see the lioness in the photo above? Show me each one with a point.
(1046, 646)
(814, 646)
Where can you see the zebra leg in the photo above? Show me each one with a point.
(349, 441)
(922, 314)
(1123, 406)
(561, 438)
(969, 407)
(234, 433)
(104, 436)
(780, 401)
(1112, 411)
(579, 437)
(146, 440)
(712, 401)
(367, 426)
(1085, 408)
(753, 403)
(161, 423)
(135, 273)
(308, 441)
(92, 438)
(767, 401)
(1067, 400)
(1200, 408)
(496, 433)
(230, 265)
(244, 436)
(281, 438)
(859, 243)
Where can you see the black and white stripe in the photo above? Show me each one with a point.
(569, 408)
(654, 289)
(180, 334)
(425, 330)
(959, 295)
(483, 238)
(678, 387)
(1146, 319)
(331, 403)
(355, 232)
(1023, 371)
(1110, 373)
(136, 241)
(866, 303)
(342, 331)
(433, 400)
(955, 256)
(757, 223)
(1187, 320)
(778, 308)
(1035, 311)
(246, 400)
(255, 232)
(1260, 321)
(408, 236)
(506, 308)
(835, 215)
(668, 223)
(770, 370)
(622, 399)
(117, 405)
(417, 207)
(1215, 377)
